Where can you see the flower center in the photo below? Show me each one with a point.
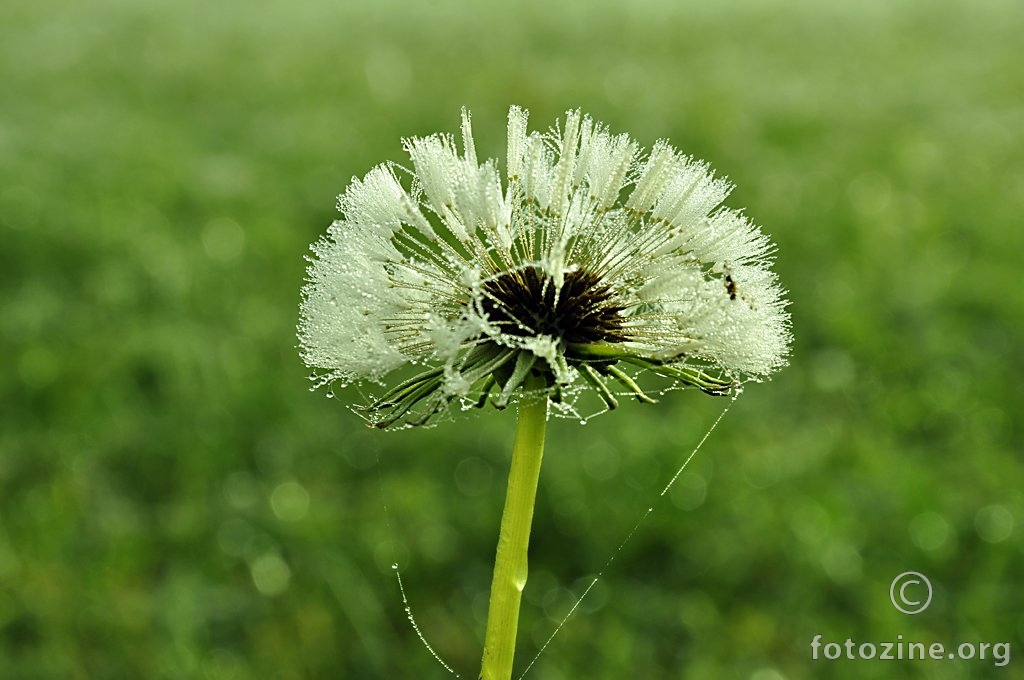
(525, 302)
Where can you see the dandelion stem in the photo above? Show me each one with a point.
(510, 565)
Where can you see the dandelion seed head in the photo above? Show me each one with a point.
(588, 261)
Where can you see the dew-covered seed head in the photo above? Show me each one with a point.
(592, 263)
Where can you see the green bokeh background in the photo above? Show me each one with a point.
(176, 503)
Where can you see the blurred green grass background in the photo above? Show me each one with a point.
(175, 503)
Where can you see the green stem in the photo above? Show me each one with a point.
(510, 564)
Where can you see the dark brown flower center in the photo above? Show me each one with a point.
(525, 302)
